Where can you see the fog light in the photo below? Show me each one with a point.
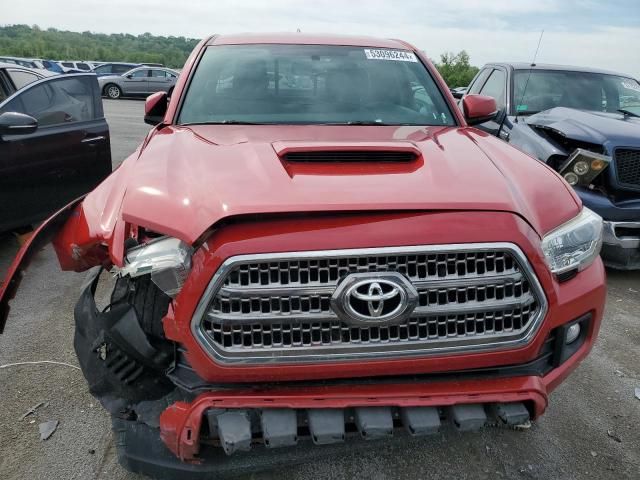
(571, 178)
(581, 167)
(573, 332)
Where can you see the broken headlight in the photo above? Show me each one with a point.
(574, 245)
(583, 166)
(167, 259)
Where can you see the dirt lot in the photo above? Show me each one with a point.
(591, 430)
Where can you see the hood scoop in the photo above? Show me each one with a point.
(346, 152)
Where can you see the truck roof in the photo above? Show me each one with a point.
(307, 39)
(549, 66)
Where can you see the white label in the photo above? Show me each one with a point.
(384, 54)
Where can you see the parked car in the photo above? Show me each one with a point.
(13, 77)
(309, 257)
(459, 92)
(141, 81)
(585, 124)
(23, 62)
(52, 66)
(54, 143)
(75, 67)
(114, 68)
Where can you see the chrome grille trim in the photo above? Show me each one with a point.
(459, 327)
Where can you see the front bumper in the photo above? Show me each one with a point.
(474, 397)
(621, 239)
(621, 245)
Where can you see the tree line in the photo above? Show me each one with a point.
(53, 44)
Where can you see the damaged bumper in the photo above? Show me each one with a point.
(621, 236)
(244, 419)
(248, 418)
(168, 431)
(621, 245)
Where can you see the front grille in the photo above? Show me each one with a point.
(628, 166)
(278, 307)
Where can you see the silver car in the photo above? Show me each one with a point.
(140, 81)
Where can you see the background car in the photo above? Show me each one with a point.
(585, 124)
(13, 77)
(52, 66)
(70, 66)
(54, 143)
(114, 68)
(141, 81)
(458, 92)
(24, 62)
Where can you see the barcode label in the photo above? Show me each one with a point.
(395, 55)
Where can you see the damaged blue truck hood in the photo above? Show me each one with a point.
(607, 129)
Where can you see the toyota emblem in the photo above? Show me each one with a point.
(374, 298)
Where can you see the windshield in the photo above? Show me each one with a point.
(581, 90)
(312, 84)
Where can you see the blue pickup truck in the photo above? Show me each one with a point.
(585, 124)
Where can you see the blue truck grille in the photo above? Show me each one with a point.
(628, 166)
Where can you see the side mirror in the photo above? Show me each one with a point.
(478, 108)
(155, 106)
(130, 75)
(14, 123)
(456, 94)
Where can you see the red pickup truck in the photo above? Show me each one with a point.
(313, 245)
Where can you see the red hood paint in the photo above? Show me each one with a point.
(187, 179)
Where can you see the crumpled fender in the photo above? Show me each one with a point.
(86, 233)
(40, 237)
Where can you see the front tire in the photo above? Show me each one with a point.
(112, 91)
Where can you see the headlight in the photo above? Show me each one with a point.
(571, 178)
(167, 259)
(583, 166)
(574, 245)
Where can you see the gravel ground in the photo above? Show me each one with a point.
(569, 442)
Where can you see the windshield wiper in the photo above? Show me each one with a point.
(226, 122)
(365, 122)
(628, 113)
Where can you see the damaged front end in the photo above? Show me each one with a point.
(603, 169)
(170, 423)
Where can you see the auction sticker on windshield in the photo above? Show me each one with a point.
(383, 54)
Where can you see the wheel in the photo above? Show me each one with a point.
(113, 91)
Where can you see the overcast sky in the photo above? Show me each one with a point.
(604, 34)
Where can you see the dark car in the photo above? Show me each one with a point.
(13, 77)
(54, 145)
(114, 68)
(52, 66)
(585, 124)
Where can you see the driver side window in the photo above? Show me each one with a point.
(479, 81)
(496, 87)
(57, 101)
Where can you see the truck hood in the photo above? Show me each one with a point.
(586, 126)
(186, 179)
